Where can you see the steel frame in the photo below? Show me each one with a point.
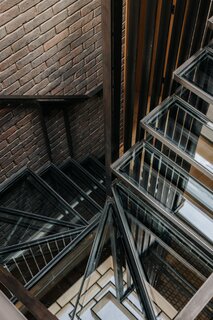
(160, 208)
(67, 182)
(201, 117)
(112, 30)
(193, 236)
(200, 298)
(27, 245)
(189, 64)
(177, 232)
(133, 259)
(88, 229)
(91, 177)
(46, 189)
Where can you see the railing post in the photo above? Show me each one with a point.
(36, 308)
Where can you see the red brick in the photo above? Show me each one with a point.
(90, 7)
(20, 20)
(5, 53)
(7, 4)
(68, 22)
(11, 38)
(44, 5)
(29, 57)
(13, 58)
(9, 15)
(77, 5)
(26, 40)
(3, 32)
(52, 42)
(38, 20)
(49, 24)
(62, 4)
(27, 4)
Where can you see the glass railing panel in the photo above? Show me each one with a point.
(84, 182)
(170, 187)
(75, 199)
(29, 262)
(196, 74)
(186, 132)
(174, 266)
(16, 228)
(27, 193)
(172, 238)
(196, 102)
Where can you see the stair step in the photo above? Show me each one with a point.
(109, 307)
(168, 187)
(19, 228)
(196, 74)
(69, 191)
(96, 168)
(180, 127)
(27, 192)
(85, 181)
(172, 279)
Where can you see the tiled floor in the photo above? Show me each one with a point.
(98, 300)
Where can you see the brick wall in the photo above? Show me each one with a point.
(50, 46)
(22, 141)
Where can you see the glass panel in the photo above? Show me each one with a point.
(104, 292)
(17, 228)
(196, 74)
(196, 102)
(26, 263)
(138, 211)
(27, 194)
(86, 184)
(201, 74)
(155, 175)
(175, 124)
(69, 193)
(173, 267)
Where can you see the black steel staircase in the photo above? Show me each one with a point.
(45, 212)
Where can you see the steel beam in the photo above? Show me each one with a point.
(111, 31)
(133, 259)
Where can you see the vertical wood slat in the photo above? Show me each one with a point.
(151, 11)
(133, 11)
(161, 52)
(174, 45)
(150, 79)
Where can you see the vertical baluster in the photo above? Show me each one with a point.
(27, 265)
(34, 259)
(50, 250)
(17, 266)
(64, 242)
(56, 244)
(45, 261)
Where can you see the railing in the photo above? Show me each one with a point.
(32, 259)
(36, 308)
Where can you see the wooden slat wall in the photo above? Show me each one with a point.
(169, 32)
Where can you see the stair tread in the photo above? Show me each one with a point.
(85, 182)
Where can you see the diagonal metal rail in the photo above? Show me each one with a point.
(138, 273)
